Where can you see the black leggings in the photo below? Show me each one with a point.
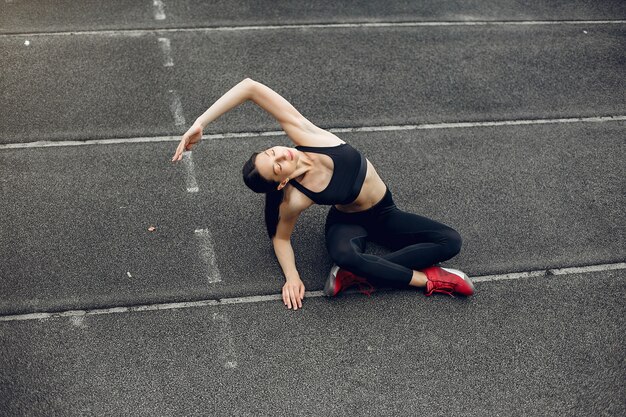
(417, 242)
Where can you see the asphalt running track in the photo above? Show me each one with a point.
(507, 124)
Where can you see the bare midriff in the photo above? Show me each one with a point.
(372, 191)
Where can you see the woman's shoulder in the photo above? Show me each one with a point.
(316, 137)
(294, 202)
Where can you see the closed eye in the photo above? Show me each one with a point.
(276, 170)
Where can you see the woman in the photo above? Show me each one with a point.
(323, 169)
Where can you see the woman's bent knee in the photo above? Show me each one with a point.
(347, 259)
(453, 243)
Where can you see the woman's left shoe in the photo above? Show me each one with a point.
(339, 279)
(447, 281)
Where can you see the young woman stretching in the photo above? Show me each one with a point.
(323, 169)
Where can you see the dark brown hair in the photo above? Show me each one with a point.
(273, 197)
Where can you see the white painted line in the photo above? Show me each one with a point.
(548, 272)
(177, 108)
(166, 48)
(141, 32)
(308, 294)
(159, 10)
(192, 185)
(54, 144)
(253, 299)
(461, 125)
(113, 310)
(515, 275)
(424, 126)
(207, 254)
(586, 269)
(227, 352)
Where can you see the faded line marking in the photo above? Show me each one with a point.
(112, 310)
(140, 32)
(461, 125)
(166, 48)
(159, 9)
(227, 352)
(515, 275)
(192, 185)
(54, 144)
(177, 108)
(425, 126)
(78, 321)
(207, 254)
(263, 298)
(308, 294)
(548, 272)
(586, 269)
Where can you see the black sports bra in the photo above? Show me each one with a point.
(349, 172)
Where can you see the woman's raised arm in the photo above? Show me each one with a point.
(233, 97)
(297, 127)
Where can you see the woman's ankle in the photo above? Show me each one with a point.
(418, 279)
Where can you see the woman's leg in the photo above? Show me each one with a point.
(418, 241)
(346, 244)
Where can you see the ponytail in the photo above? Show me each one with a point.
(272, 205)
(273, 197)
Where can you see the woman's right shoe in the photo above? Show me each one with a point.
(339, 279)
(447, 281)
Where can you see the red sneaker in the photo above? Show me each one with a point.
(447, 281)
(340, 279)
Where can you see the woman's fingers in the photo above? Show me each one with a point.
(294, 299)
(190, 138)
(298, 299)
(292, 296)
(178, 155)
(286, 299)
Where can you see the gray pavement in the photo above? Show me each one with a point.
(64, 15)
(550, 346)
(509, 191)
(95, 86)
(525, 197)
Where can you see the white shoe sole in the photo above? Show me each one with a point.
(460, 274)
(329, 287)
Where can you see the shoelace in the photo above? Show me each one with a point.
(365, 287)
(445, 288)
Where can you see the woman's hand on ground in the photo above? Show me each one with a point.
(190, 138)
(293, 294)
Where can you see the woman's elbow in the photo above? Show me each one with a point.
(248, 82)
(249, 85)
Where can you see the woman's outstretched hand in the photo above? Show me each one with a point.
(293, 294)
(190, 138)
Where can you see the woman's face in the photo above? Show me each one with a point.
(277, 163)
